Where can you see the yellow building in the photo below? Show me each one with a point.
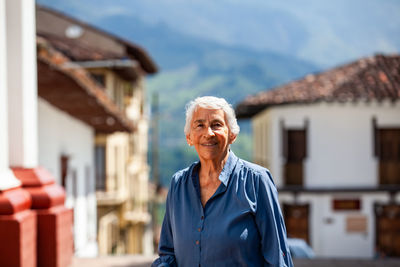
(122, 176)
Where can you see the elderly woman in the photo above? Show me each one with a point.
(221, 211)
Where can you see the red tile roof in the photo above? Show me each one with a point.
(372, 78)
(74, 91)
(79, 50)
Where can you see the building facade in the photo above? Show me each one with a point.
(120, 174)
(331, 141)
(36, 226)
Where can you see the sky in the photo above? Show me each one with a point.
(323, 32)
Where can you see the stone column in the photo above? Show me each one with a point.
(22, 82)
(17, 221)
(54, 221)
(7, 179)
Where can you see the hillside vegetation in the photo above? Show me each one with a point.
(233, 48)
(191, 67)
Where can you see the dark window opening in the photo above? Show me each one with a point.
(295, 146)
(100, 78)
(388, 152)
(100, 167)
(64, 170)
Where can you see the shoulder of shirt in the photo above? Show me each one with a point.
(258, 171)
(183, 174)
(252, 167)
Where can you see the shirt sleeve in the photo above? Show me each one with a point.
(270, 224)
(166, 246)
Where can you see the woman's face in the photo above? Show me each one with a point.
(210, 134)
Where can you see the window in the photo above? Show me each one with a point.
(388, 151)
(64, 169)
(100, 167)
(100, 78)
(294, 152)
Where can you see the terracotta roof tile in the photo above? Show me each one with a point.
(75, 92)
(79, 50)
(373, 78)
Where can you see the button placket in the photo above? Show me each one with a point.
(199, 231)
(199, 228)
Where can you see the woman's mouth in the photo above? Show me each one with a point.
(209, 144)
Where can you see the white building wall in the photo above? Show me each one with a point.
(340, 154)
(61, 134)
(328, 234)
(339, 143)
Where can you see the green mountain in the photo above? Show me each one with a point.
(235, 48)
(327, 33)
(192, 67)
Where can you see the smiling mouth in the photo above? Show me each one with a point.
(209, 144)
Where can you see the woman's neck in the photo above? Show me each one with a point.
(210, 169)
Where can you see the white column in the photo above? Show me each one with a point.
(7, 178)
(22, 83)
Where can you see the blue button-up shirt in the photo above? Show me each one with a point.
(240, 225)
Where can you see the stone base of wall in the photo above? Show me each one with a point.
(55, 236)
(17, 229)
(54, 220)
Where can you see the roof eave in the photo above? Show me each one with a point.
(137, 52)
(76, 93)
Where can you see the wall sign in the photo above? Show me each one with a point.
(356, 224)
(346, 204)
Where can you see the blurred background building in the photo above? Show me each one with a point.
(332, 141)
(35, 225)
(110, 156)
(75, 125)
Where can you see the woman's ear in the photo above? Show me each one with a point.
(232, 138)
(188, 140)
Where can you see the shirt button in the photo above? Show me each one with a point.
(199, 229)
(197, 242)
(202, 217)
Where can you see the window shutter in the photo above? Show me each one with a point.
(285, 145)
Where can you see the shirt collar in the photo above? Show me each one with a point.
(226, 172)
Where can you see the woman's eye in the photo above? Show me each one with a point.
(216, 125)
(199, 125)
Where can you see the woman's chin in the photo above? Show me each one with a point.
(210, 154)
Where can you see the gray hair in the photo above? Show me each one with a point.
(211, 102)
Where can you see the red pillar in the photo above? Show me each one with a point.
(54, 220)
(17, 229)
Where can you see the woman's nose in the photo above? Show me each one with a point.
(210, 132)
